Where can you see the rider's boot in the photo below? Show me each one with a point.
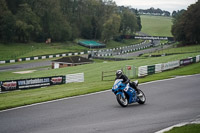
(136, 89)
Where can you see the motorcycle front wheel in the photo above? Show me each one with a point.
(142, 98)
(122, 101)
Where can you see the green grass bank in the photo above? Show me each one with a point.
(190, 128)
(92, 82)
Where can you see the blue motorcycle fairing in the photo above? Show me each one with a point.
(120, 93)
(118, 89)
(118, 86)
(132, 95)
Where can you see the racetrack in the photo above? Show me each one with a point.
(169, 102)
(24, 66)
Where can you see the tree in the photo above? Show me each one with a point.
(27, 24)
(7, 23)
(54, 24)
(138, 21)
(186, 27)
(128, 23)
(111, 27)
(174, 13)
(13, 5)
(62, 20)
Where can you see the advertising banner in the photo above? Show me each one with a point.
(8, 85)
(151, 69)
(31, 83)
(186, 61)
(170, 65)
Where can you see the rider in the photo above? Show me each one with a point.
(120, 75)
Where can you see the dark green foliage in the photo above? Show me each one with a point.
(186, 26)
(63, 20)
(27, 24)
(7, 22)
(128, 23)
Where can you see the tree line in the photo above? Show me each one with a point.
(64, 20)
(186, 24)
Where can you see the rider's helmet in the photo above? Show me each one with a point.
(119, 73)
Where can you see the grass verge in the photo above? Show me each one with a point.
(26, 97)
(190, 128)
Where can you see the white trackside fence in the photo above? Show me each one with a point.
(170, 65)
(78, 77)
(157, 68)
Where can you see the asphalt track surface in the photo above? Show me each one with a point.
(169, 102)
(127, 48)
(24, 66)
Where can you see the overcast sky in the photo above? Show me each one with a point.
(168, 5)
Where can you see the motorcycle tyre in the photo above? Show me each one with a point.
(119, 101)
(142, 101)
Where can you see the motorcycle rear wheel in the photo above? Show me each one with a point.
(122, 101)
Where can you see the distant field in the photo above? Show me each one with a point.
(156, 25)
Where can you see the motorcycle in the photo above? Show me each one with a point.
(126, 95)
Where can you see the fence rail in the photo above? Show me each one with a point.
(106, 74)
